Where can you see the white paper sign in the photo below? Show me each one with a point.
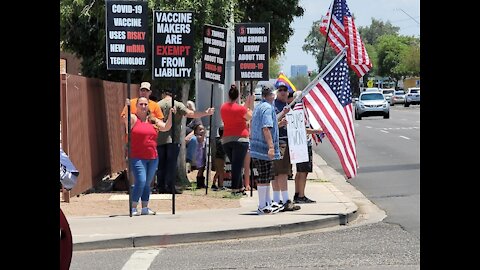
(297, 136)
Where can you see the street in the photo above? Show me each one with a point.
(388, 154)
(379, 246)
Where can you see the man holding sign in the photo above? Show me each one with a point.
(303, 168)
(282, 167)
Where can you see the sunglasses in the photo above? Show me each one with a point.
(282, 90)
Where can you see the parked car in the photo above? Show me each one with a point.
(371, 104)
(388, 93)
(398, 97)
(412, 96)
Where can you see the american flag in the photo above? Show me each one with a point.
(343, 32)
(329, 103)
(317, 137)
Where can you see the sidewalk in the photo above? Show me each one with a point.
(121, 231)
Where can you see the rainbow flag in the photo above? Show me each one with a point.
(283, 79)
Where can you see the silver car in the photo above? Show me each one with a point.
(371, 104)
(398, 97)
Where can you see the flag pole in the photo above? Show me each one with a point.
(327, 69)
(326, 36)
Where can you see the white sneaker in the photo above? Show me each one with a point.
(135, 212)
(148, 211)
(267, 210)
(276, 207)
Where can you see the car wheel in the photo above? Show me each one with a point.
(357, 116)
(406, 104)
(386, 116)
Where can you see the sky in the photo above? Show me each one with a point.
(363, 10)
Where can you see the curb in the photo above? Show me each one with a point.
(165, 240)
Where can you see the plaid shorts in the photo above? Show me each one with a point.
(263, 170)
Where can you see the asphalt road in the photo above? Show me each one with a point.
(378, 246)
(388, 154)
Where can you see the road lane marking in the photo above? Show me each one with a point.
(384, 131)
(404, 137)
(141, 260)
(368, 126)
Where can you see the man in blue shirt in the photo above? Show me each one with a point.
(264, 148)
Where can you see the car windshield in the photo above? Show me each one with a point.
(388, 92)
(372, 96)
(399, 93)
(414, 91)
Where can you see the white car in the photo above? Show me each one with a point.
(412, 96)
(388, 93)
(372, 89)
(371, 104)
(398, 97)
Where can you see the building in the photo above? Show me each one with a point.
(411, 82)
(298, 70)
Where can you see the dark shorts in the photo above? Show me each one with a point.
(218, 165)
(283, 166)
(308, 165)
(262, 170)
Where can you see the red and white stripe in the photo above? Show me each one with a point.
(323, 107)
(346, 34)
(357, 56)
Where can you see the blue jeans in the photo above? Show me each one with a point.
(192, 149)
(236, 152)
(167, 165)
(143, 171)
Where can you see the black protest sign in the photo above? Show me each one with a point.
(214, 52)
(126, 34)
(252, 51)
(172, 44)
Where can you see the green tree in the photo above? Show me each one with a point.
(315, 43)
(279, 14)
(410, 61)
(274, 67)
(377, 28)
(391, 49)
